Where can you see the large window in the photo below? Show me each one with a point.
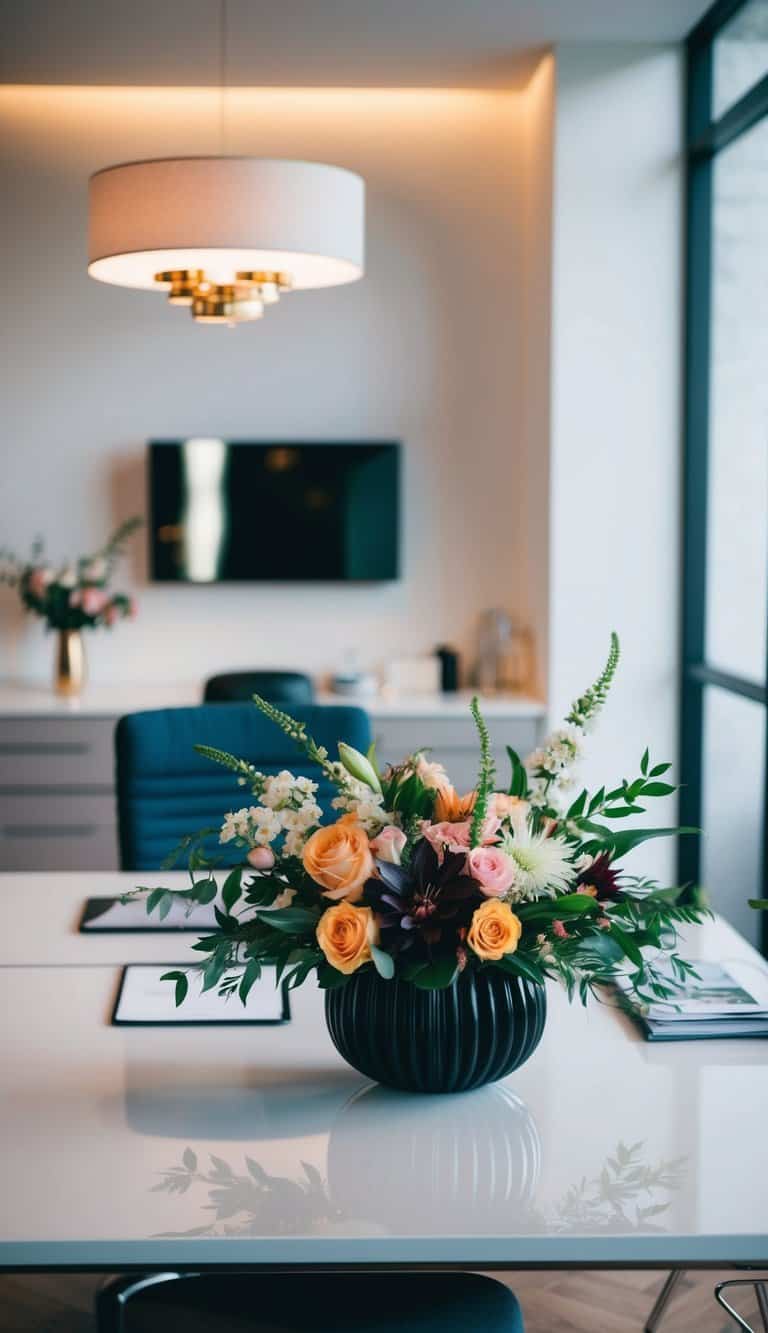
(724, 717)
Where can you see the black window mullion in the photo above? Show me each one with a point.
(705, 138)
(695, 455)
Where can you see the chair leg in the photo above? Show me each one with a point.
(761, 1292)
(113, 1297)
(662, 1300)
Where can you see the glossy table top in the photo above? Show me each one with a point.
(230, 1146)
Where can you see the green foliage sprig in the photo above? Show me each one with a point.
(486, 777)
(297, 732)
(593, 699)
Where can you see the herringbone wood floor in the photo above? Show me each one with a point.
(552, 1302)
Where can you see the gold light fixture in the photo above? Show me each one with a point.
(225, 236)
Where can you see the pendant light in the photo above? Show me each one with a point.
(225, 236)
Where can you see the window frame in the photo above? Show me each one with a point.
(705, 137)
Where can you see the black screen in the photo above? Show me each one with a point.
(229, 510)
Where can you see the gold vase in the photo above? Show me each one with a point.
(69, 671)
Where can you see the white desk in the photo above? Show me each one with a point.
(94, 1117)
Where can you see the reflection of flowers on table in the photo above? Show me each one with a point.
(624, 1197)
(253, 1203)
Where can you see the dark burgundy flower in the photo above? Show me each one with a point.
(426, 902)
(600, 877)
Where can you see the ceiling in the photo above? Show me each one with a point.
(315, 43)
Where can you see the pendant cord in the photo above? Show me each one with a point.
(223, 76)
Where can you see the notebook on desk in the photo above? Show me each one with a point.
(145, 1000)
(725, 1000)
(110, 914)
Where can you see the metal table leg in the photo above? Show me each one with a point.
(662, 1300)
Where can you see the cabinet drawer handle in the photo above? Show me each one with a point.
(43, 747)
(49, 831)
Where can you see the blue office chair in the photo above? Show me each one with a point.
(309, 1303)
(165, 789)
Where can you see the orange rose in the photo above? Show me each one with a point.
(345, 935)
(495, 930)
(339, 859)
(503, 805)
(451, 808)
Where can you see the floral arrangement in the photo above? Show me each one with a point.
(423, 883)
(76, 596)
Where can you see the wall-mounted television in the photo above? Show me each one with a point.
(236, 511)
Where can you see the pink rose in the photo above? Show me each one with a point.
(110, 614)
(261, 858)
(38, 581)
(493, 870)
(93, 601)
(388, 845)
(453, 836)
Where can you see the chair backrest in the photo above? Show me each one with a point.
(165, 789)
(279, 687)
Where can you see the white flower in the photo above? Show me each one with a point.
(235, 825)
(308, 815)
(94, 571)
(543, 867)
(294, 842)
(432, 774)
(266, 825)
(67, 577)
(277, 790)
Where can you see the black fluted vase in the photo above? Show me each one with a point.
(473, 1032)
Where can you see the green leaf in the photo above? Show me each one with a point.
(329, 978)
(291, 920)
(628, 839)
(437, 975)
(578, 805)
(597, 800)
(154, 898)
(204, 891)
(659, 769)
(213, 972)
(383, 962)
(644, 762)
(658, 789)
(627, 944)
(760, 904)
(189, 1159)
(622, 812)
(232, 888)
(521, 967)
(519, 782)
(165, 905)
(411, 969)
(182, 985)
(569, 904)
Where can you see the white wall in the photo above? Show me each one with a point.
(616, 371)
(427, 348)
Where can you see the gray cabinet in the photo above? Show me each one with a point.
(453, 742)
(57, 797)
